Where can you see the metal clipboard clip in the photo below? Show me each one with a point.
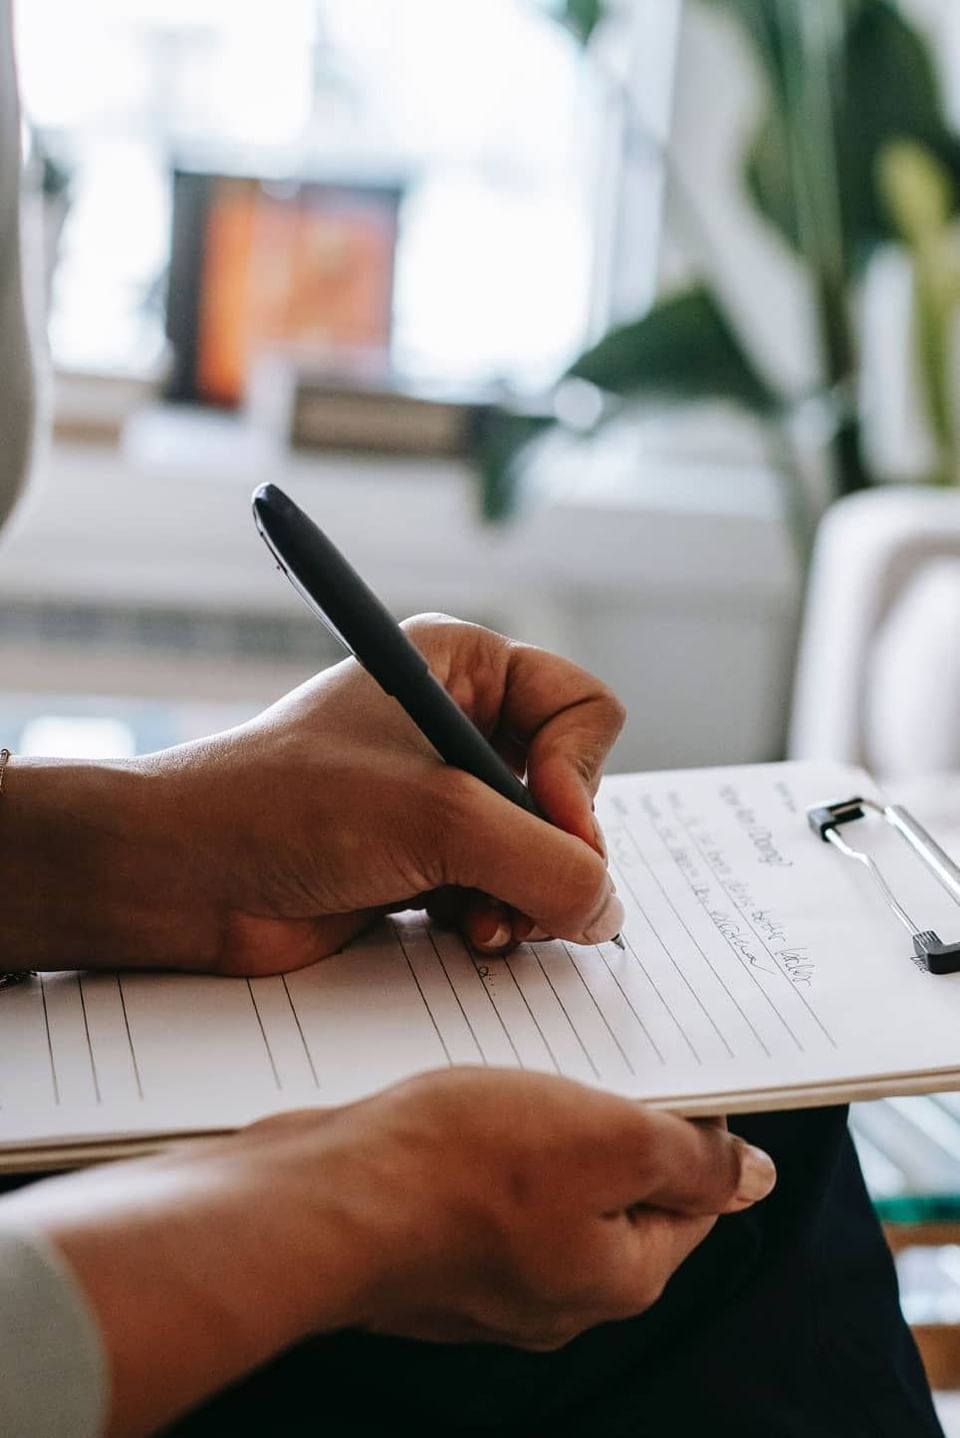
(826, 820)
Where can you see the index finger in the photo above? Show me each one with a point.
(569, 721)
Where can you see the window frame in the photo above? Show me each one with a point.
(639, 52)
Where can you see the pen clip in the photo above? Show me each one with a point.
(307, 598)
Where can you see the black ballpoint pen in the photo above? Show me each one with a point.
(365, 627)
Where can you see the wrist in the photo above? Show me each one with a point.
(354, 1209)
(172, 1258)
(315, 1228)
(92, 875)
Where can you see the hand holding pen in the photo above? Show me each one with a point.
(562, 757)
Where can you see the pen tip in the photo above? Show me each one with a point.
(618, 940)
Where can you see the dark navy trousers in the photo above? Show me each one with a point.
(784, 1324)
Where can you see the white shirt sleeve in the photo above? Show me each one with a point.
(17, 390)
(53, 1381)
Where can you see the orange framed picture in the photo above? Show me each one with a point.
(256, 264)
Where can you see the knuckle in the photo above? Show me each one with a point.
(581, 879)
(648, 1292)
(641, 1133)
(720, 1159)
(429, 620)
(659, 1157)
(282, 1125)
(616, 709)
(427, 629)
(444, 1099)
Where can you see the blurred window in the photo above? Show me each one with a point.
(72, 736)
(488, 112)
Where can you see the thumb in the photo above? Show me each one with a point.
(489, 844)
(698, 1170)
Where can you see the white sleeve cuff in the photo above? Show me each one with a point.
(53, 1381)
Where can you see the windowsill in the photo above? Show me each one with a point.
(162, 515)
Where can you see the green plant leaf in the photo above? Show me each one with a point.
(892, 93)
(583, 17)
(921, 197)
(500, 442)
(683, 349)
(886, 90)
(918, 193)
(763, 22)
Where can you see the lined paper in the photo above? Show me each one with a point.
(756, 960)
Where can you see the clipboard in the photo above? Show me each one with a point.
(760, 973)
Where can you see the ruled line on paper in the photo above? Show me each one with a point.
(126, 1025)
(701, 951)
(46, 1024)
(546, 1042)
(86, 1029)
(481, 978)
(745, 914)
(453, 990)
(303, 1037)
(263, 1034)
(725, 937)
(423, 998)
(629, 1003)
(573, 1028)
(668, 1008)
(609, 1027)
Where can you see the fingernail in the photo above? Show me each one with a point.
(522, 928)
(610, 922)
(757, 1174)
(599, 840)
(501, 936)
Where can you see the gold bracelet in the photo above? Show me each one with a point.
(7, 981)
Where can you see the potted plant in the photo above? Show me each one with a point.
(854, 152)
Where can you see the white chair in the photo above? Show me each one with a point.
(878, 677)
